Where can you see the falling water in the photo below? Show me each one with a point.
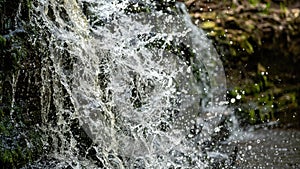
(126, 89)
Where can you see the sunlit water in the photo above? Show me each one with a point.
(145, 90)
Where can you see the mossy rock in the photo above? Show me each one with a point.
(20, 138)
(261, 102)
(18, 147)
(2, 42)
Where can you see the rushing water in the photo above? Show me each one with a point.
(128, 90)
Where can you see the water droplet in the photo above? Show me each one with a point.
(232, 100)
(217, 129)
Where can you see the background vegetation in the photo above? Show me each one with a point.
(258, 41)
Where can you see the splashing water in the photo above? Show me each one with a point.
(124, 89)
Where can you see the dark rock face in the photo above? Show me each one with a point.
(20, 85)
(11, 13)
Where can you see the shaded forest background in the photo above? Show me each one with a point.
(259, 42)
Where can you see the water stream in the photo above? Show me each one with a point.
(125, 89)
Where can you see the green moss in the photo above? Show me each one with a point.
(2, 42)
(266, 10)
(254, 2)
(26, 6)
(261, 101)
(20, 140)
(252, 116)
(14, 149)
(247, 46)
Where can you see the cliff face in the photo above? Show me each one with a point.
(258, 42)
(19, 86)
(22, 49)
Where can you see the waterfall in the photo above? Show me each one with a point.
(123, 89)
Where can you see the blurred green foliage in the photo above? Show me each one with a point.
(245, 34)
(261, 101)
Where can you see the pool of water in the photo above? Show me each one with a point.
(265, 148)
